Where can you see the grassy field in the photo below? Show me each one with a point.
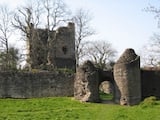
(68, 109)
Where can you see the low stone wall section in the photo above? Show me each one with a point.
(34, 85)
(150, 79)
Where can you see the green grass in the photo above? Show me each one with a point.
(68, 109)
(105, 96)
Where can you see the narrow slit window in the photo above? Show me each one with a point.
(64, 49)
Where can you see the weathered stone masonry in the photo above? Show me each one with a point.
(150, 81)
(130, 83)
(127, 79)
(86, 86)
(33, 85)
(59, 48)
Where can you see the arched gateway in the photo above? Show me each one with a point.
(87, 82)
(125, 79)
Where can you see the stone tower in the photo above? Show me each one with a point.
(127, 79)
(58, 52)
(63, 54)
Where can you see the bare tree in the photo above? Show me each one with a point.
(56, 13)
(151, 52)
(100, 53)
(155, 11)
(28, 18)
(82, 21)
(5, 31)
(23, 22)
(5, 27)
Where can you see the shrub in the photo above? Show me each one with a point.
(149, 102)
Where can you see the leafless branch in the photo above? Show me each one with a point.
(100, 53)
(82, 21)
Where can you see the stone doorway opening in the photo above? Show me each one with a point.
(125, 78)
(106, 91)
(89, 84)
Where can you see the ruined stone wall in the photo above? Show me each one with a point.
(39, 49)
(33, 85)
(127, 79)
(130, 84)
(61, 47)
(150, 79)
(86, 86)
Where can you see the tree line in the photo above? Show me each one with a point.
(50, 14)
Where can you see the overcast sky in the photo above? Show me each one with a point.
(121, 22)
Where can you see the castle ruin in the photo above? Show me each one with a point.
(127, 78)
(56, 48)
(131, 84)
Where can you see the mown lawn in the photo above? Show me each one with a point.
(62, 108)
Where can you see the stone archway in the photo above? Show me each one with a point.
(106, 92)
(87, 81)
(125, 79)
(106, 85)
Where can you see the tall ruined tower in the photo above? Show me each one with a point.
(58, 52)
(62, 47)
(127, 78)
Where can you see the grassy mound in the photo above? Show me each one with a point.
(149, 102)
